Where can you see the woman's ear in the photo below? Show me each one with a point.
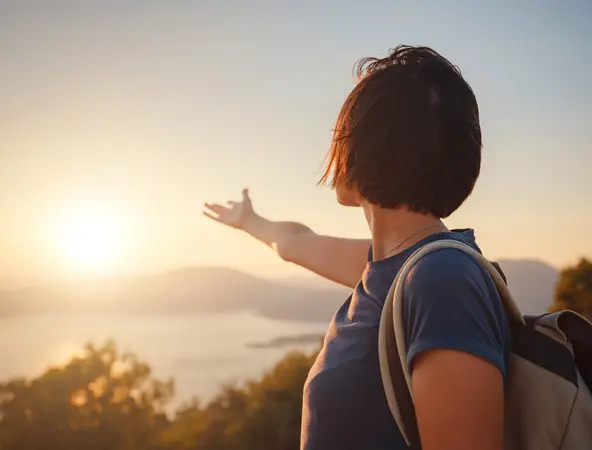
(346, 196)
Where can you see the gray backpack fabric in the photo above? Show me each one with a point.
(548, 403)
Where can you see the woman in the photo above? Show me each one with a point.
(407, 150)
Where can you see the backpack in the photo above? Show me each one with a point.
(548, 404)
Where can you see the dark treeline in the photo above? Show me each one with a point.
(106, 400)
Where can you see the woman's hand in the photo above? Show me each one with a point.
(337, 259)
(234, 214)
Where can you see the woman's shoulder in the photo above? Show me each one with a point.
(449, 281)
(450, 301)
(448, 265)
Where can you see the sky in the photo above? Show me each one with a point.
(144, 110)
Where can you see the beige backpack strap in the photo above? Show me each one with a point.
(392, 328)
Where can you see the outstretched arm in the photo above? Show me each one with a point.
(338, 259)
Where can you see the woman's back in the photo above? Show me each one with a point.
(451, 303)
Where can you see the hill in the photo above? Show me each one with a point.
(194, 290)
(531, 282)
(189, 290)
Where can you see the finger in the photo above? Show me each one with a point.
(218, 209)
(246, 194)
(211, 216)
(207, 206)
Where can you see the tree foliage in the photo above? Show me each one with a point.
(574, 289)
(99, 400)
(262, 414)
(104, 400)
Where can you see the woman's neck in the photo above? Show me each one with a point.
(396, 230)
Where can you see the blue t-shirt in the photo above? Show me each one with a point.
(450, 302)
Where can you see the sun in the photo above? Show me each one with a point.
(90, 238)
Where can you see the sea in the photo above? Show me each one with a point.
(200, 351)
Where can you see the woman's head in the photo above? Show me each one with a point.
(407, 136)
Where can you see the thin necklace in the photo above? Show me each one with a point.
(396, 247)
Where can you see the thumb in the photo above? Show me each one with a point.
(246, 194)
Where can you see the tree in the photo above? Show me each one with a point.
(105, 400)
(264, 413)
(574, 289)
(100, 400)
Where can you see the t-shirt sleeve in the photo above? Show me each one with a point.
(451, 303)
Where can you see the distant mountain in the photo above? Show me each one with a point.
(531, 282)
(194, 290)
(286, 341)
(7, 283)
(189, 290)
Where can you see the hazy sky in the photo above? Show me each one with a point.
(149, 108)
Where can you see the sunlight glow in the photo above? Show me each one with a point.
(90, 238)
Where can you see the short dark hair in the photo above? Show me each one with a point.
(408, 134)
